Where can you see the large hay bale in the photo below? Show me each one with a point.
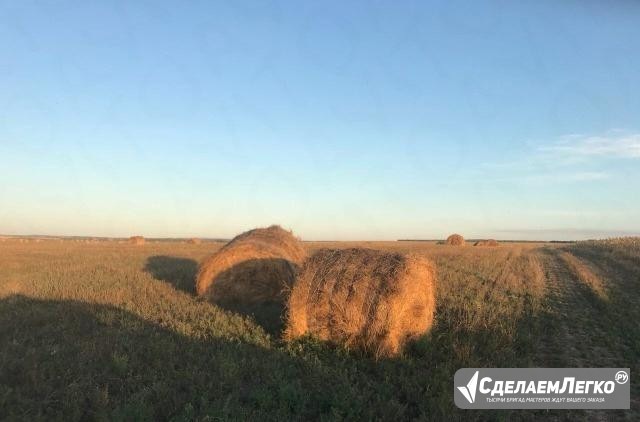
(455, 240)
(194, 241)
(136, 240)
(366, 299)
(256, 266)
(487, 243)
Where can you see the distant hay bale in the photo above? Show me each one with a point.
(194, 241)
(488, 243)
(363, 298)
(255, 267)
(455, 240)
(136, 240)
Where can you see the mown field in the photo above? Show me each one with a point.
(110, 331)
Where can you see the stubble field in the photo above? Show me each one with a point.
(110, 331)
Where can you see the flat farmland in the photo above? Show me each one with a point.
(102, 330)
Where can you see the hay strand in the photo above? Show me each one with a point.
(256, 266)
(455, 240)
(365, 299)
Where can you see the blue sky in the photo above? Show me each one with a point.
(339, 120)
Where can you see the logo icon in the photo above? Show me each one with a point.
(622, 377)
(469, 392)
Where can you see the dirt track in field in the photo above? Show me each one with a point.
(575, 334)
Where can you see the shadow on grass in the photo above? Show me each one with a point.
(256, 288)
(179, 272)
(268, 315)
(71, 360)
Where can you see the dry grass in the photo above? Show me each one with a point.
(455, 240)
(584, 273)
(365, 299)
(111, 331)
(194, 241)
(614, 270)
(487, 243)
(256, 266)
(136, 240)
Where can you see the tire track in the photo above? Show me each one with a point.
(575, 334)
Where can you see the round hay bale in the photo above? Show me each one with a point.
(487, 243)
(363, 298)
(455, 240)
(254, 267)
(136, 240)
(194, 241)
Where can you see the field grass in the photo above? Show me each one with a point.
(109, 331)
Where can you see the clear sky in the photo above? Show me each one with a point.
(339, 120)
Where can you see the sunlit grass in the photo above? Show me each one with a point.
(105, 331)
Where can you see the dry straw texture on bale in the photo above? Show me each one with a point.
(363, 298)
(136, 240)
(194, 241)
(455, 240)
(488, 242)
(256, 266)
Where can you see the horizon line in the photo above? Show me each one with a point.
(223, 239)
